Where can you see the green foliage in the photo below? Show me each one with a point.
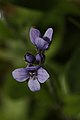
(59, 97)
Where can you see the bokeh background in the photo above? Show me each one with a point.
(59, 97)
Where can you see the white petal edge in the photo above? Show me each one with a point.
(34, 85)
(49, 33)
(42, 75)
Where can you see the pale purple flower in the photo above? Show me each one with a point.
(34, 74)
(41, 42)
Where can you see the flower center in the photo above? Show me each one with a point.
(32, 74)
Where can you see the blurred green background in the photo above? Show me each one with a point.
(59, 97)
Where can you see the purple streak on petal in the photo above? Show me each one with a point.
(40, 43)
(33, 85)
(33, 68)
(46, 39)
(49, 33)
(43, 56)
(20, 74)
(42, 75)
(34, 33)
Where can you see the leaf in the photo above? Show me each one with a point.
(5, 32)
(14, 89)
(73, 73)
(72, 106)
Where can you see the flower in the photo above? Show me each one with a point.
(34, 74)
(41, 43)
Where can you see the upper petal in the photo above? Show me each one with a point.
(34, 33)
(49, 33)
(33, 68)
(40, 43)
(33, 85)
(20, 74)
(42, 75)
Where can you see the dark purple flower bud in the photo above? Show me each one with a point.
(29, 58)
(40, 57)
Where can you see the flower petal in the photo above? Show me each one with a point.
(42, 75)
(49, 33)
(33, 68)
(40, 43)
(33, 85)
(34, 33)
(20, 74)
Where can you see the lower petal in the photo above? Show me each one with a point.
(20, 74)
(40, 43)
(42, 75)
(33, 85)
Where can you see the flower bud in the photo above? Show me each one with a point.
(29, 58)
(40, 57)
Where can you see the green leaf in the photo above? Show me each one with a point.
(5, 32)
(72, 106)
(14, 89)
(73, 73)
